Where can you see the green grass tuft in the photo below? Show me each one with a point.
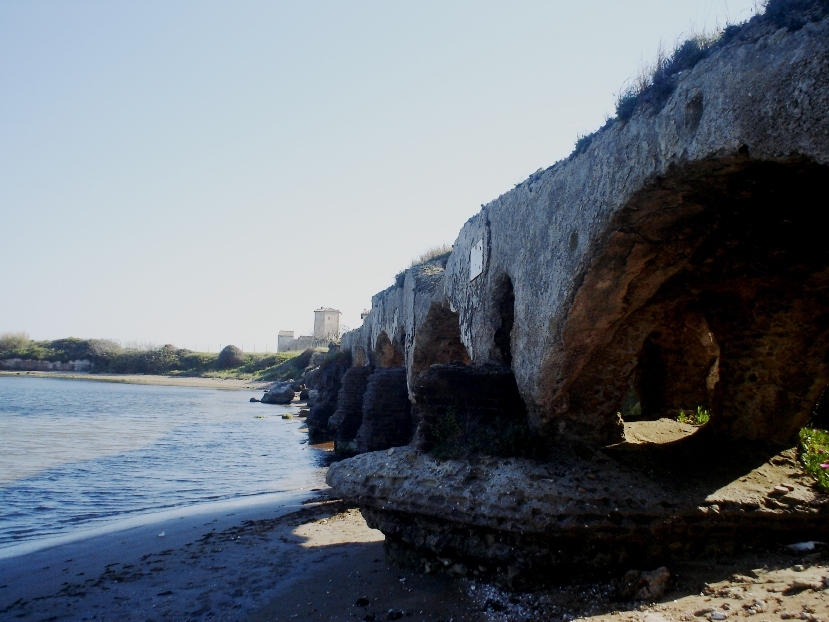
(814, 452)
(699, 418)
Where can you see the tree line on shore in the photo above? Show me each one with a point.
(108, 356)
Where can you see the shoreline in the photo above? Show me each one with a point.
(308, 558)
(147, 379)
(314, 558)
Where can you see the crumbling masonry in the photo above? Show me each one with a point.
(682, 258)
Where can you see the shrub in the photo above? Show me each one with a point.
(13, 342)
(231, 356)
(582, 143)
(435, 253)
(814, 455)
(699, 418)
(794, 14)
(655, 84)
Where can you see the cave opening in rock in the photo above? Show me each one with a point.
(386, 354)
(718, 300)
(505, 301)
(359, 357)
(438, 340)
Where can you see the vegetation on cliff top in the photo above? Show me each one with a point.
(656, 82)
(436, 254)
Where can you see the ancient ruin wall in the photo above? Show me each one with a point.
(590, 256)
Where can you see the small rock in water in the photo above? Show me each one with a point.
(362, 602)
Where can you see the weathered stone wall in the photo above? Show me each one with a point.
(710, 207)
(680, 256)
(346, 420)
(386, 411)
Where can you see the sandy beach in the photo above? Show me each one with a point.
(149, 379)
(309, 558)
(312, 557)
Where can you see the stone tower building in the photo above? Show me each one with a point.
(326, 324)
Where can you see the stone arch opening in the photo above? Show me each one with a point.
(359, 357)
(438, 340)
(505, 305)
(386, 354)
(711, 289)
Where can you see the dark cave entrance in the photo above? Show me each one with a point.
(386, 354)
(438, 340)
(727, 312)
(505, 301)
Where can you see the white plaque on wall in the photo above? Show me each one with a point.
(476, 260)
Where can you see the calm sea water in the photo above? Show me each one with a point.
(76, 455)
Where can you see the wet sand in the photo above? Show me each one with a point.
(286, 561)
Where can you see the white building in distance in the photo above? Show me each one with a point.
(326, 324)
(326, 329)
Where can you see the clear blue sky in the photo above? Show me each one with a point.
(211, 172)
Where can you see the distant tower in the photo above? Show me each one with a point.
(326, 324)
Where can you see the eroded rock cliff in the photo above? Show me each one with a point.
(676, 261)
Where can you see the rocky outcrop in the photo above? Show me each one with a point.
(577, 515)
(698, 219)
(281, 393)
(482, 393)
(675, 259)
(386, 411)
(346, 420)
(324, 382)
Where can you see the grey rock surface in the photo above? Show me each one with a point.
(282, 393)
(705, 205)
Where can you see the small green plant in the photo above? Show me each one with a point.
(699, 418)
(814, 455)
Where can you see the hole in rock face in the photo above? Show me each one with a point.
(438, 340)
(360, 359)
(693, 113)
(712, 292)
(574, 241)
(674, 370)
(505, 296)
(385, 354)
